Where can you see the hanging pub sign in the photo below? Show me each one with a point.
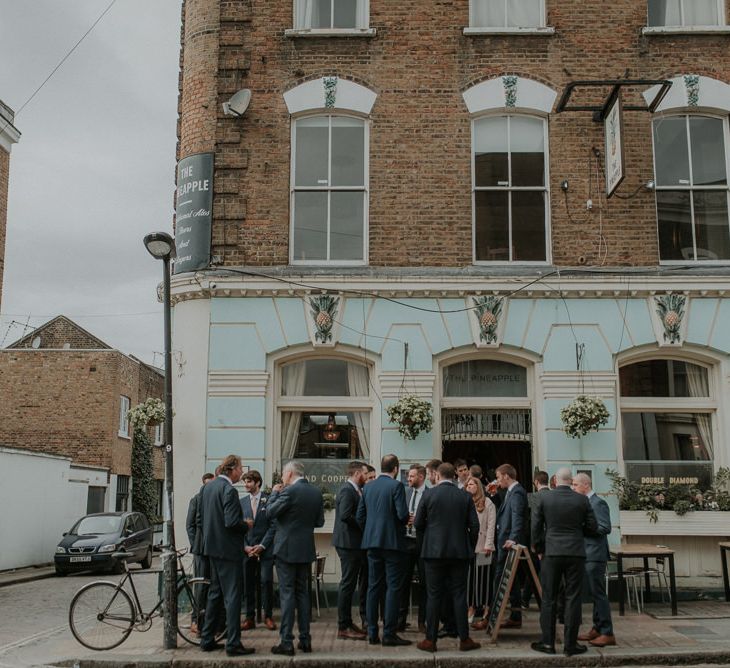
(613, 128)
(193, 212)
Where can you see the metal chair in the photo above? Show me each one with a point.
(631, 579)
(658, 570)
(318, 577)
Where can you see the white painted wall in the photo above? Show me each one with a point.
(41, 497)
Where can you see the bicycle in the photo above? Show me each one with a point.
(103, 614)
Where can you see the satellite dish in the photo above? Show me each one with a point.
(36, 342)
(238, 104)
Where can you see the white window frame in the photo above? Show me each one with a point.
(361, 24)
(293, 189)
(708, 405)
(690, 187)
(159, 430)
(124, 406)
(682, 25)
(545, 188)
(474, 28)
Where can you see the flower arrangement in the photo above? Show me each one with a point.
(412, 415)
(150, 411)
(582, 415)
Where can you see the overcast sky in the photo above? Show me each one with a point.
(94, 169)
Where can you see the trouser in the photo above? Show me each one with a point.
(294, 594)
(596, 576)
(446, 579)
(201, 569)
(514, 596)
(352, 563)
(257, 571)
(226, 583)
(553, 569)
(384, 572)
(412, 561)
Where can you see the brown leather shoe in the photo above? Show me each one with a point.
(603, 641)
(512, 624)
(468, 645)
(480, 625)
(426, 645)
(349, 634)
(589, 635)
(248, 624)
(270, 624)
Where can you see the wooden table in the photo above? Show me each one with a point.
(724, 547)
(644, 552)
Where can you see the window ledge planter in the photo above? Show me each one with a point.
(329, 522)
(693, 523)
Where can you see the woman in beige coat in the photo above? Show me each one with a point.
(479, 570)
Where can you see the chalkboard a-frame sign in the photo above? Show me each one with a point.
(504, 587)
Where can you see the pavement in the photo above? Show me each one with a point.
(30, 574)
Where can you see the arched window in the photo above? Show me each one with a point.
(324, 406)
(667, 410)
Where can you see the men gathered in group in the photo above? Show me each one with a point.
(384, 532)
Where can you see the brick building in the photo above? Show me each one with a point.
(66, 392)
(9, 135)
(403, 175)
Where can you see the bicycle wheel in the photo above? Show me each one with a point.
(101, 615)
(189, 618)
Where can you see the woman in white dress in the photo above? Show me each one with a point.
(479, 569)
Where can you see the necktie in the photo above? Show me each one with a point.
(413, 501)
(254, 503)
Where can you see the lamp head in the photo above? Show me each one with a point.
(160, 245)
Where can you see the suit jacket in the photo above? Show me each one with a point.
(447, 519)
(383, 514)
(262, 532)
(564, 517)
(193, 527)
(297, 509)
(597, 546)
(511, 517)
(531, 503)
(347, 532)
(221, 519)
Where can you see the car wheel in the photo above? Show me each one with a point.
(61, 573)
(117, 567)
(147, 561)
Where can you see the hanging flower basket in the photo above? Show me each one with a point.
(149, 412)
(582, 415)
(412, 415)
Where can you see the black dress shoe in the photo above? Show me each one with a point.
(541, 647)
(306, 647)
(240, 651)
(572, 651)
(374, 641)
(395, 641)
(286, 650)
(210, 647)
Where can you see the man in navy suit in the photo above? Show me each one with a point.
(258, 564)
(601, 633)
(224, 530)
(297, 508)
(510, 531)
(447, 519)
(347, 540)
(383, 515)
(201, 568)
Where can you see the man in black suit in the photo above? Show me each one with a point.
(414, 541)
(563, 517)
(540, 485)
(347, 540)
(201, 567)
(510, 531)
(383, 515)
(297, 508)
(224, 530)
(448, 521)
(258, 562)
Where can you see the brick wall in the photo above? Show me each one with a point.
(420, 142)
(59, 333)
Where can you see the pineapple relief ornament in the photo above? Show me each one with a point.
(324, 310)
(670, 309)
(487, 311)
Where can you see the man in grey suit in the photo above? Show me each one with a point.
(297, 508)
(201, 567)
(563, 517)
(601, 633)
(447, 520)
(224, 530)
(383, 515)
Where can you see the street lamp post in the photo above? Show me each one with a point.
(161, 246)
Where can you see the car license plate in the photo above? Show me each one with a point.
(77, 559)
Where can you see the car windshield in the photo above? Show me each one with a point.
(98, 524)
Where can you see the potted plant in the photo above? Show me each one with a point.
(582, 415)
(412, 415)
(150, 412)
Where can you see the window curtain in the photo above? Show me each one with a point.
(293, 378)
(699, 387)
(362, 14)
(523, 13)
(306, 11)
(358, 383)
(700, 12)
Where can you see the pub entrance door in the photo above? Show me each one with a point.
(491, 454)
